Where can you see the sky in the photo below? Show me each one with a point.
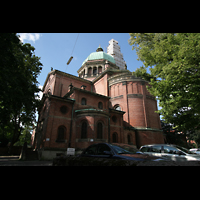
(55, 49)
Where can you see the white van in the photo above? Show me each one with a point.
(171, 152)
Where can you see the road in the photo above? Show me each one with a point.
(14, 161)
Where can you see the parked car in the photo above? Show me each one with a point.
(171, 152)
(195, 150)
(117, 151)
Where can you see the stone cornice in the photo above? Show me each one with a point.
(110, 72)
(148, 129)
(85, 91)
(91, 110)
(122, 77)
(117, 111)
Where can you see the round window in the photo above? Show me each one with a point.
(63, 109)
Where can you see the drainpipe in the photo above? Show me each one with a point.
(70, 133)
(109, 129)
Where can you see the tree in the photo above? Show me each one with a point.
(174, 64)
(173, 136)
(19, 86)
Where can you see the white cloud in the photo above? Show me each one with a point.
(29, 36)
(40, 93)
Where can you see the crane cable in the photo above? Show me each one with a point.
(61, 85)
(72, 51)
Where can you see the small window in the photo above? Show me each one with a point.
(100, 105)
(83, 101)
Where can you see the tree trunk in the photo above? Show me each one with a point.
(16, 133)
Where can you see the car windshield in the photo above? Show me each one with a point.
(124, 149)
(185, 150)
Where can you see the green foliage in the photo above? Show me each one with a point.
(173, 61)
(172, 136)
(24, 137)
(142, 72)
(18, 76)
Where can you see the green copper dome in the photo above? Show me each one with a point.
(99, 55)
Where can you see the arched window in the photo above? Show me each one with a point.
(61, 134)
(83, 101)
(94, 71)
(100, 105)
(99, 130)
(129, 139)
(90, 71)
(114, 138)
(117, 107)
(100, 69)
(84, 130)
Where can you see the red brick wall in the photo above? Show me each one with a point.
(153, 118)
(59, 84)
(101, 86)
(132, 134)
(140, 110)
(116, 126)
(149, 137)
(136, 112)
(56, 119)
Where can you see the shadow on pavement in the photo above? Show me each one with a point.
(14, 161)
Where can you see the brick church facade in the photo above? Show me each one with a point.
(105, 103)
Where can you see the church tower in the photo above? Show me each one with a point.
(114, 50)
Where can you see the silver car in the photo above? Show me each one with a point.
(171, 152)
(196, 150)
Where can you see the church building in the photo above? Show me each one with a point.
(104, 103)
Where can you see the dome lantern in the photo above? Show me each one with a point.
(99, 49)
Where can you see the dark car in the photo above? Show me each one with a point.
(117, 151)
(107, 154)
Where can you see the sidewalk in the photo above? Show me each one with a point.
(14, 161)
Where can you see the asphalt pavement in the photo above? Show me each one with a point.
(14, 161)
